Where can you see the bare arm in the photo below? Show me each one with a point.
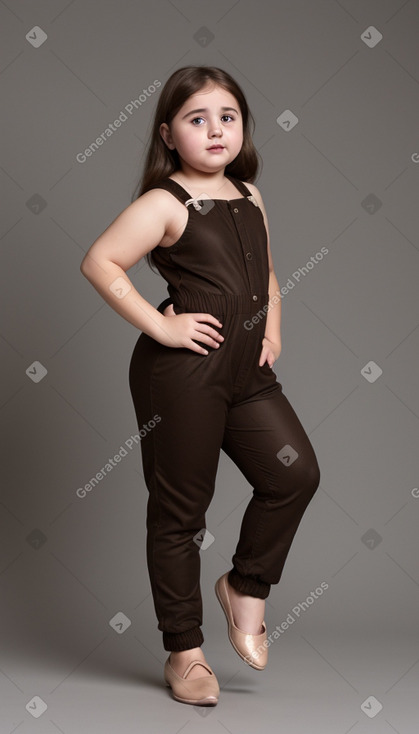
(273, 317)
(272, 339)
(134, 232)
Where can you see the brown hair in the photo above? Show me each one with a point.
(161, 161)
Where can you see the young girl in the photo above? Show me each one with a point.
(201, 371)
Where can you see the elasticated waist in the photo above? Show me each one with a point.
(219, 303)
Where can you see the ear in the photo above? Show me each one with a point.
(165, 134)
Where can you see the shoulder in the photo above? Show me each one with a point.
(156, 207)
(254, 191)
(258, 196)
(158, 192)
(159, 199)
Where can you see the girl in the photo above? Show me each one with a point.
(201, 370)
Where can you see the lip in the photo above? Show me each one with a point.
(216, 147)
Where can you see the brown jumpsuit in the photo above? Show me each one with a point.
(223, 400)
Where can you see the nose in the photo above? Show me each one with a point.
(214, 128)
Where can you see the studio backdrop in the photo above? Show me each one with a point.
(333, 88)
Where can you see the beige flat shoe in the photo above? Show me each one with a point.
(249, 647)
(199, 691)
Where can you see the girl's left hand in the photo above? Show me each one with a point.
(270, 352)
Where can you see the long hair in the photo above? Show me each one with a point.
(161, 161)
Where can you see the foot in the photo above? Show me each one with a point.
(248, 611)
(180, 661)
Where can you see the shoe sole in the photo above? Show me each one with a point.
(199, 702)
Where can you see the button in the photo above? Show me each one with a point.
(249, 255)
(255, 298)
(235, 210)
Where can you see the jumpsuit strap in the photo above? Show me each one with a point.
(180, 193)
(239, 185)
(173, 187)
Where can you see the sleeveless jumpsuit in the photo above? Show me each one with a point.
(200, 404)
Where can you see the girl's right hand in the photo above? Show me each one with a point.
(179, 330)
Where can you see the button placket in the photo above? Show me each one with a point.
(246, 248)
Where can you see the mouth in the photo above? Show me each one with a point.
(216, 147)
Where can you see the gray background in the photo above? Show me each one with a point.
(345, 178)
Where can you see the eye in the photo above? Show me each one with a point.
(201, 118)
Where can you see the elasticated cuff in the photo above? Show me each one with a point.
(246, 585)
(177, 641)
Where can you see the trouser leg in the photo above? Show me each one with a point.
(180, 459)
(259, 433)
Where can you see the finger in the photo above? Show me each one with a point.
(263, 358)
(208, 335)
(204, 339)
(204, 328)
(206, 317)
(194, 347)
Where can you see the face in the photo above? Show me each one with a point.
(210, 117)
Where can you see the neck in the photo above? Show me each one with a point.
(205, 181)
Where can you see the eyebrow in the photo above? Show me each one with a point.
(204, 109)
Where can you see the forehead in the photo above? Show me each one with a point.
(211, 97)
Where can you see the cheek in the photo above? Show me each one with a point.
(190, 143)
(196, 140)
